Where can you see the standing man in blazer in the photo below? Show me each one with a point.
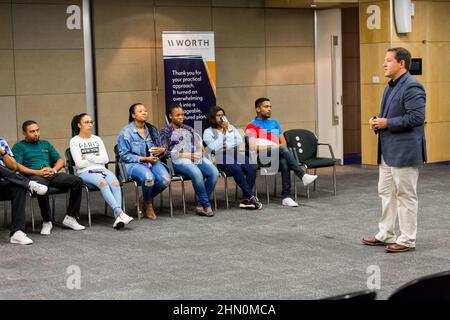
(401, 150)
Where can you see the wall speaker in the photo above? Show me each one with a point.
(403, 13)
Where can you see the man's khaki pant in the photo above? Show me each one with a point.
(397, 188)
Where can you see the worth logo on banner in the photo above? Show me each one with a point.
(190, 73)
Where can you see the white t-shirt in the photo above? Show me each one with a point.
(88, 154)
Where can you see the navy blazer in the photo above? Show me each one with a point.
(402, 143)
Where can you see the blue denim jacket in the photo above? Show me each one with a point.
(132, 146)
(6, 149)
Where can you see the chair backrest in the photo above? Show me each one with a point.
(121, 171)
(357, 295)
(70, 163)
(432, 287)
(302, 142)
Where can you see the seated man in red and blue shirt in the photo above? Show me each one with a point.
(266, 137)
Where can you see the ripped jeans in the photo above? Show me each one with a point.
(109, 187)
(153, 180)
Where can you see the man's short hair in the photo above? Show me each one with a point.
(402, 54)
(26, 124)
(259, 101)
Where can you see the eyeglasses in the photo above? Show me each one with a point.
(89, 122)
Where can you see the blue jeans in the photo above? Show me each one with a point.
(153, 180)
(204, 176)
(109, 187)
(239, 166)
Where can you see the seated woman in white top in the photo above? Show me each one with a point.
(222, 138)
(90, 157)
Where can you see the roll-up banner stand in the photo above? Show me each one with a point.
(190, 74)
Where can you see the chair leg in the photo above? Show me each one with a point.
(334, 179)
(314, 185)
(295, 188)
(215, 199)
(307, 187)
(226, 191)
(123, 200)
(138, 210)
(32, 214)
(183, 196)
(170, 200)
(267, 188)
(88, 205)
(275, 185)
(161, 200)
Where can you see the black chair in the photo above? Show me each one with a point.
(5, 210)
(52, 191)
(211, 156)
(303, 145)
(175, 177)
(5, 214)
(364, 295)
(263, 169)
(432, 287)
(87, 187)
(122, 176)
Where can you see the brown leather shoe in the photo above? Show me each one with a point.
(372, 241)
(395, 247)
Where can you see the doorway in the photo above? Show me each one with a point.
(338, 83)
(328, 57)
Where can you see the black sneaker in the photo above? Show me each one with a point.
(247, 204)
(256, 202)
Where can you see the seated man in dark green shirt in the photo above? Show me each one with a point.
(39, 160)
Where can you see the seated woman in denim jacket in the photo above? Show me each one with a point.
(140, 149)
(90, 156)
(223, 139)
(185, 147)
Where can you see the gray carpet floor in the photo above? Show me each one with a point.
(309, 252)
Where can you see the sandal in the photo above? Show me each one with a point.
(205, 213)
(142, 207)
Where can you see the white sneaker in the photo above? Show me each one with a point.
(289, 202)
(19, 237)
(126, 218)
(46, 228)
(119, 223)
(37, 188)
(308, 179)
(122, 220)
(72, 223)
